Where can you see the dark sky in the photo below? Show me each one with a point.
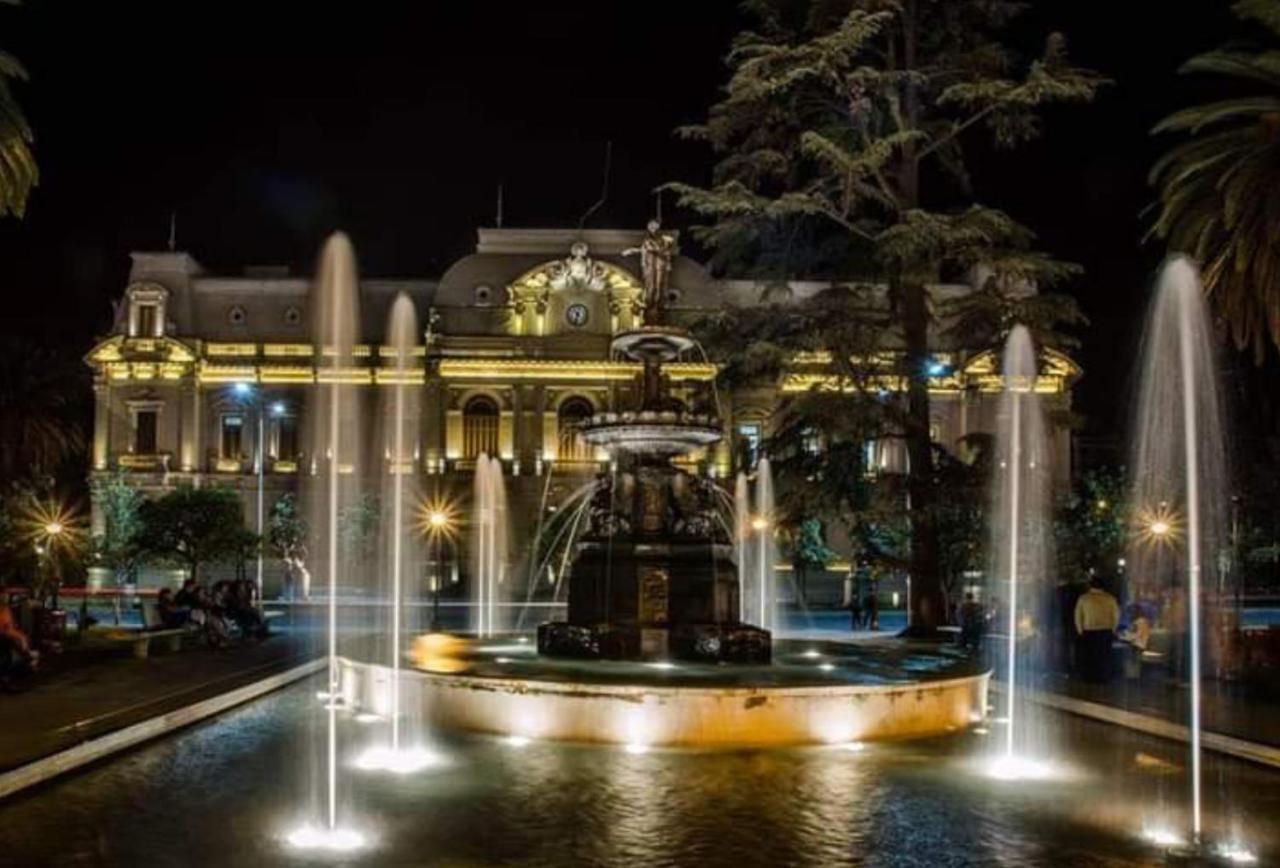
(267, 125)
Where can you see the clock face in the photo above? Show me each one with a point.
(576, 315)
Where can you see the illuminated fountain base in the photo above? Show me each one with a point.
(813, 693)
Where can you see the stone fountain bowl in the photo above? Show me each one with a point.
(812, 693)
(661, 434)
(665, 342)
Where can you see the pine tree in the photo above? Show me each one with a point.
(841, 143)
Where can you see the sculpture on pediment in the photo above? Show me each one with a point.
(656, 252)
(579, 270)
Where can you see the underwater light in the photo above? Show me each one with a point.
(661, 664)
(337, 839)
(404, 761)
(1016, 768)
(516, 741)
(813, 653)
(1162, 836)
(368, 717)
(980, 730)
(826, 667)
(1236, 854)
(636, 747)
(852, 746)
(502, 660)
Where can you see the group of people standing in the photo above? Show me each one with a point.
(862, 599)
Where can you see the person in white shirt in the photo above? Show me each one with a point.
(1097, 616)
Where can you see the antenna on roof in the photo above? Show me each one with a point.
(499, 220)
(173, 230)
(604, 193)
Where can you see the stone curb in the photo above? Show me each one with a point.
(49, 767)
(1239, 748)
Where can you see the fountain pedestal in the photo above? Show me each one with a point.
(653, 577)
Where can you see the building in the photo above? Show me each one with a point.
(204, 378)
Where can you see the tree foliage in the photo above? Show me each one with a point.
(1217, 186)
(42, 419)
(840, 143)
(120, 545)
(194, 527)
(18, 172)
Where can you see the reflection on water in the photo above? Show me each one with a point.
(220, 794)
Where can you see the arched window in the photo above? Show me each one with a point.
(480, 427)
(572, 414)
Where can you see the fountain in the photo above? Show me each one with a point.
(335, 445)
(1179, 484)
(653, 576)
(1020, 542)
(488, 546)
(400, 420)
(762, 523)
(655, 612)
(742, 534)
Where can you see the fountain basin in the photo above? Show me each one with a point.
(833, 698)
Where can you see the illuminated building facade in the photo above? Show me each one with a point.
(514, 354)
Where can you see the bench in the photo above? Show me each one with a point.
(152, 628)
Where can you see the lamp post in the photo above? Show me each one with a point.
(437, 526)
(247, 391)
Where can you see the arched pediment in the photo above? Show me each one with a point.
(576, 294)
(577, 271)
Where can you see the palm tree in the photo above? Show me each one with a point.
(18, 172)
(1218, 198)
(44, 398)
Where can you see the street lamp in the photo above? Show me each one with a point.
(437, 522)
(246, 391)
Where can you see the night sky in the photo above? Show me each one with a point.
(264, 126)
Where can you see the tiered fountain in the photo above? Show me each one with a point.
(655, 610)
(653, 577)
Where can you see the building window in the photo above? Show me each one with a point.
(232, 437)
(573, 413)
(747, 445)
(144, 432)
(286, 438)
(147, 317)
(480, 428)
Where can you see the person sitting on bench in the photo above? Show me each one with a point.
(17, 657)
(171, 614)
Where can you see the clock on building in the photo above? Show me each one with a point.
(576, 315)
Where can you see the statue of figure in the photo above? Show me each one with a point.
(579, 270)
(433, 321)
(656, 252)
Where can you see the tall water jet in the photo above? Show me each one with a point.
(1179, 485)
(766, 550)
(488, 545)
(399, 415)
(742, 538)
(334, 486)
(1020, 541)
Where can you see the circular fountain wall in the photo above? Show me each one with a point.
(814, 693)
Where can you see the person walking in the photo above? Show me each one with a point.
(1097, 615)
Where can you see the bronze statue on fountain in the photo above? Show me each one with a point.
(653, 576)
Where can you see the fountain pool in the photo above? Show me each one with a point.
(497, 801)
